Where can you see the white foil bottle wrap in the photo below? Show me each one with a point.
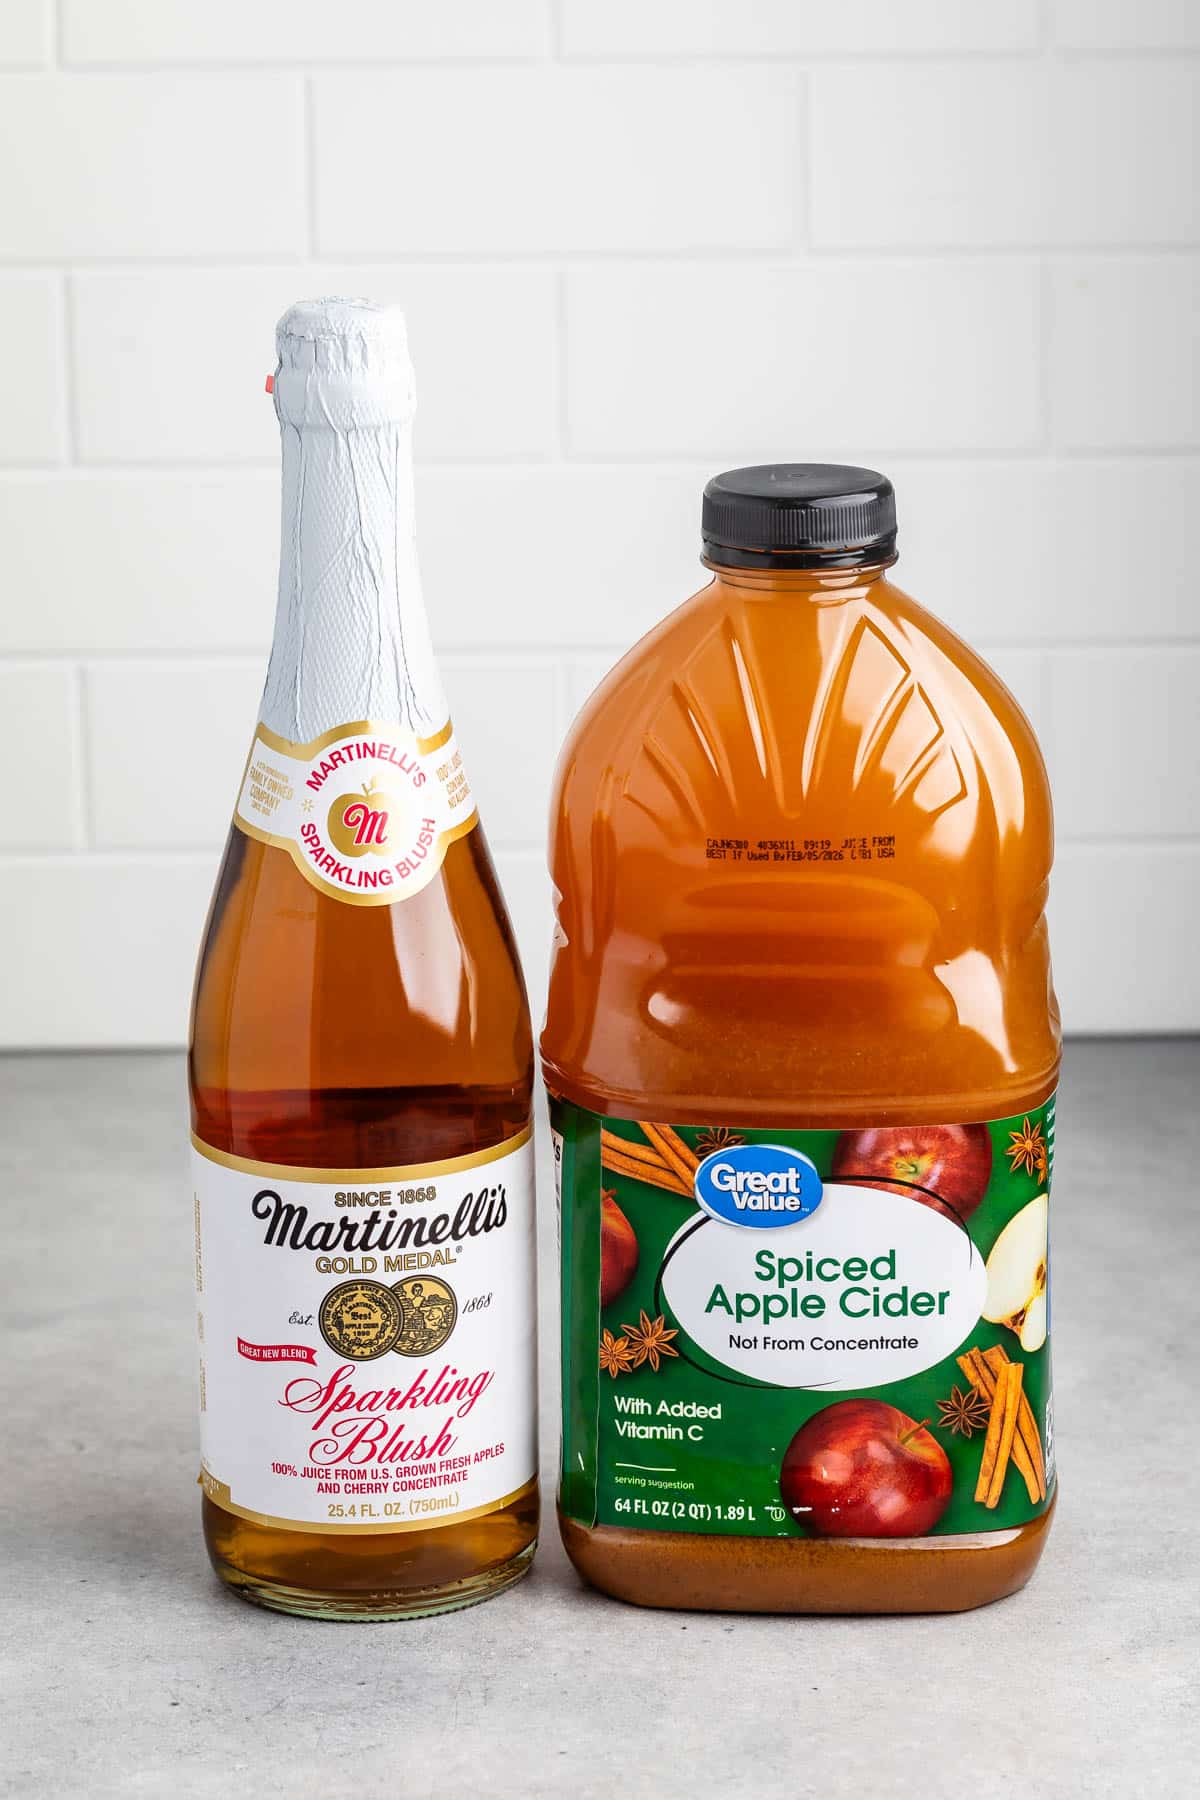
(354, 770)
(351, 634)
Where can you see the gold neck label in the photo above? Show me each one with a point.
(366, 811)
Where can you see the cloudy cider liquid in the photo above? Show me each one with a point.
(802, 1047)
(361, 1070)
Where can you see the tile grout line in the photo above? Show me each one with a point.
(561, 354)
(309, 163)
(1046, 274)
(1047, 699)
(1046, 27)
(70, 372)
(524, 60)
(1047, 387)
(652, 461)
(85, 784)
(804, 203)
(563, 698)
(772, 258)
(856, 258)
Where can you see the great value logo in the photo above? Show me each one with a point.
(758, 1185)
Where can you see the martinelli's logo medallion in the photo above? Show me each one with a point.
(758, 1185)
(359, 823)
(366, 812)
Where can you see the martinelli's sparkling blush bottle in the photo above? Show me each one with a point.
(802, 1046)
(361, 1069)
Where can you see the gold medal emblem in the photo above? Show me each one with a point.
(430, 1311)
(361, 1319)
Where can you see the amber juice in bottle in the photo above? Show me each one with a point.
(361, 1069)
(802, 1046)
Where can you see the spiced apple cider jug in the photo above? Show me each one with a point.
(802, 1047)
(361, 1069)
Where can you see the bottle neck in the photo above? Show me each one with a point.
(823, 585)
(351, 633)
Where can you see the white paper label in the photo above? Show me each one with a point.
(367, 1339)
(366, 811)
(868, 1289)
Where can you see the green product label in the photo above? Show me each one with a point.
(773, 1333)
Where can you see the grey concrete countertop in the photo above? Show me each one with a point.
(128, 1671)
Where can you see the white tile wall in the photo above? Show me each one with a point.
(1111, 782)
(559, 158)
(146, 560)
(637, 240)
(150, 33)
(798, 28)
(180, 165)
(32, 419)
(506, 717)
(100, 949)
(166, 746)
(1122, 919)
(673, 359)
(1005, 154)
(1127, 24)
(1048, 551)
(485, 339)
(25, 34)
(44, 786)
(1124, 364)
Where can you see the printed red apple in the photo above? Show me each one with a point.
(862, 1468)
(954, 1161)
(359, 823)
(618, 1249)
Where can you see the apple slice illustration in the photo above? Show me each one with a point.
(1017, 1274)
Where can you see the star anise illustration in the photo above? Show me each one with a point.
(1027, 1149)
(616, 1354)
(650, 1339)
(717, 1137)
(964, 1413)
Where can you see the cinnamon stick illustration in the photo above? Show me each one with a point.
(1001, 1429)
(629, 1147)
(664, 1160)
(982, 1369)
(622, 1157)
(672, 1149)
(1027, 1430)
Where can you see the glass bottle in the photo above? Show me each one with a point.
(360, 1069)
